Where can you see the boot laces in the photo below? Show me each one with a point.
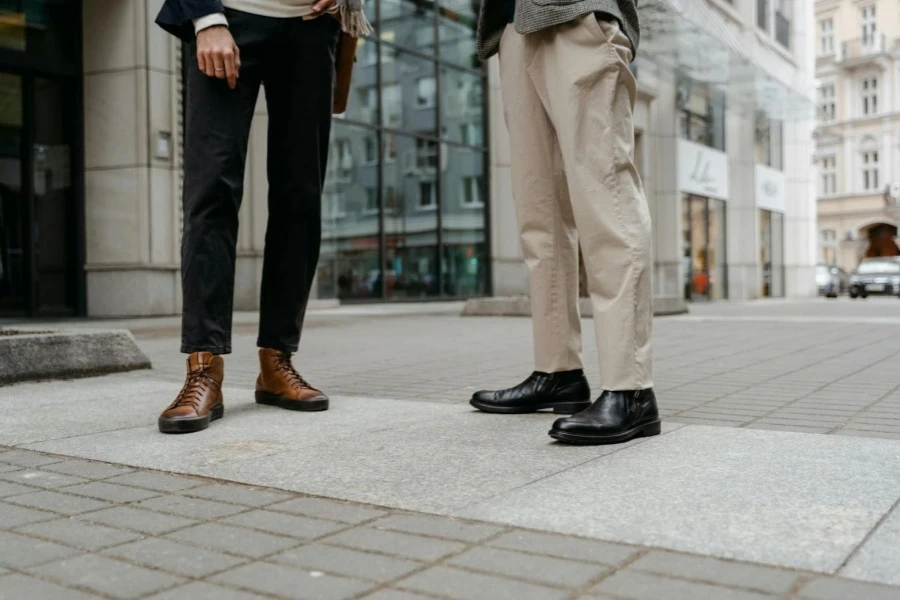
(194, 387)
(284, 365)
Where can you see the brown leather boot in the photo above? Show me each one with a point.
(200, 400)
(279, 384)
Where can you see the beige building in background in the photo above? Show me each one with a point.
(858, 137)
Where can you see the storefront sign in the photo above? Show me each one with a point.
(702, 171)
(769, 189)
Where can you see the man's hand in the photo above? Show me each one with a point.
(323, 6)
(217, 54)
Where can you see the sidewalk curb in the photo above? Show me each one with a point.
(520, 306)
(34, 355)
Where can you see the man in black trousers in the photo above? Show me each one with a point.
(237, 46)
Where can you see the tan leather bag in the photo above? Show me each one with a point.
(346, 56)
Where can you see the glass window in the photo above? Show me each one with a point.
(869, 90)
(827, 102)
(826, 37)
(769, 142)
(462, 211)
(462, 106)
(704, 248)
(13, 278)
(456, 31)
(869, 23)
(870, 170)
(350, 204)
(418, 230)
(411, 227)
(410, 83)
(701, 110)
(411, 24)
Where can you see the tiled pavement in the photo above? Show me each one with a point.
(74, 529)
(815, 367)
(400, 435)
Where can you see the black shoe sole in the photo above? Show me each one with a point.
(645, 430)
(560, 408)
(191, 425)
(314, 405)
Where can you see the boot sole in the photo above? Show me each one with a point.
(560, 408)
(191, 425)
(645, 430)
(315, 405)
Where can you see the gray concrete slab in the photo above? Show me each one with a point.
(878, 559)
(786, 499)
(247, 432)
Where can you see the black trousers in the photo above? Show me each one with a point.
(294, 60)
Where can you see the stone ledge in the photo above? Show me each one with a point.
(35, 355)
(520, 306)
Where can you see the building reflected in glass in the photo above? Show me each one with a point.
(405, 192)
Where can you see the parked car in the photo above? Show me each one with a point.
(832, 281)
(876, 276)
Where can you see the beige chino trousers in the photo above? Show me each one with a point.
(569, 97)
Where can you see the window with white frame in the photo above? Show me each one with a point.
(828, 171)
(426, 89)
(471, 192)
(870, 177)
(869, 24)
(869, 90)
(827, 102)
(829, 246)
(826, 37)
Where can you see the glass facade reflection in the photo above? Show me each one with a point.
(406, 187)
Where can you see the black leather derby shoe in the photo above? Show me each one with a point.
(566, 393)
(614, 418)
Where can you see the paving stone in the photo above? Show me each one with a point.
(442, 527)
(29, 459)
(41, 479)
(194, 508)
(135, 519)
(107, 576)
(454, 583)
(328, 509)
(753, 577)
(285, 524)
(349, 563)
(110, 491)
(59, 503)
(159, 482)
(396, 544)
(540, 569)
(15, 516)
(236, 494)
(21, 587)
(87, 469)
(641, 586)
(87, 536)
(842, 589)
(177, 558)
(235, 540)
(565, 547)
(204, 591)
(388, 594)
(286, 582)
(19, 552)
(8, 488)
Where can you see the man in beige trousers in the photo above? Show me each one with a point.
(569, 96)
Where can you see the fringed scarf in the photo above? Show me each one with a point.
(353, 19)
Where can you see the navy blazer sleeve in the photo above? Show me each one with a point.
(177, 16)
